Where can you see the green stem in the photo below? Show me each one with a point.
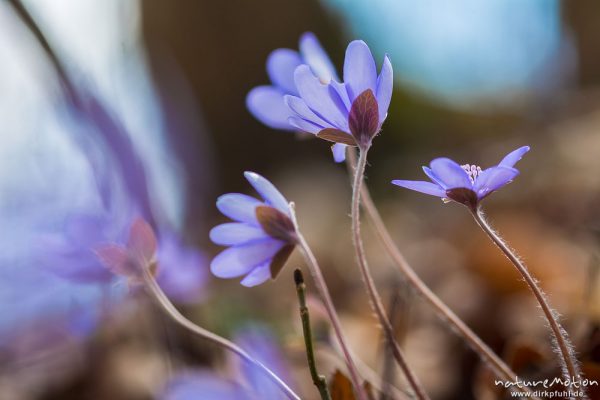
(375, 299)
(319, 380)
(321, 285)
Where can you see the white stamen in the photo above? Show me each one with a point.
(472, 170)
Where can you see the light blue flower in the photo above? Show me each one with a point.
(466, 184)
(261, 238)
(266, 102)
(351, 112)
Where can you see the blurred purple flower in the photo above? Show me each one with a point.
(267, 103)
(261, 239)
(466, 184)
(350, 113)
(68, 252)
(182, 270)
(202, 385)
(260, 343)
(178, 269)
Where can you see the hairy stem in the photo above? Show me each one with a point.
(570, 367)
(487, 355)
(317, 275)
(172, 312)
(318, 380)
(374, 297)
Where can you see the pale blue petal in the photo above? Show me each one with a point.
(258, 275)
(511, 159)
(493, 179)
(317, 96)
(421, 186)
(238, 207)
(281, 65)
(339, 152)
(385, 87)
(268, 191)
(298, 106)
(236, 233)
(239, 260)
(450, 174)
(432, 176)
(304, 125)
(342, 98)
(317, 59)
(360, 72)
(267, 106)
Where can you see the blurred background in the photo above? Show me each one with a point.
(109, 108)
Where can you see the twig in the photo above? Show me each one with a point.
(319, 380)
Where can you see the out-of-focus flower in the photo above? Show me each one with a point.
(466, 184)
(261, 239)
(252, 383)
(349, 113)
(178, 269)
(182, 270)
(267, 103)
(202, 385)
(137, 255)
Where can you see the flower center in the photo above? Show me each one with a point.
(472, 170)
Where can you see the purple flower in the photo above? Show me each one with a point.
(202, 384)
(182, 270)
(261, 238)
(466, 184)
(350, 113)
(267, 103)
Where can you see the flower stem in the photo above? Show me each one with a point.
(321, 286)
(374, 297)
(171, 311)
(487, 355)
(318, 380)
(570, 367)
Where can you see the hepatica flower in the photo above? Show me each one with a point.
(349, 113)
(466, 184)
(262, 237)
(267, 103)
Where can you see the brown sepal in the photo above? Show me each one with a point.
(464, 196)
(341, 387)
(337, 136)
(280, 259)
(364, 118)
(276, 224)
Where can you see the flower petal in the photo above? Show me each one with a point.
(421, 186)
(239, 207)
(298, 106)
(339, 152)
(432, 176)
(258, 275)
(385, 86)
(511, 159)
(281, 65)
(142, 242)
(450, 174)
(267, 106)
(304, 125)
(360, 72)
(317, 59)
(239, 260)
(268, 191)
(317, 96)
(236, 233)
(493, 179)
